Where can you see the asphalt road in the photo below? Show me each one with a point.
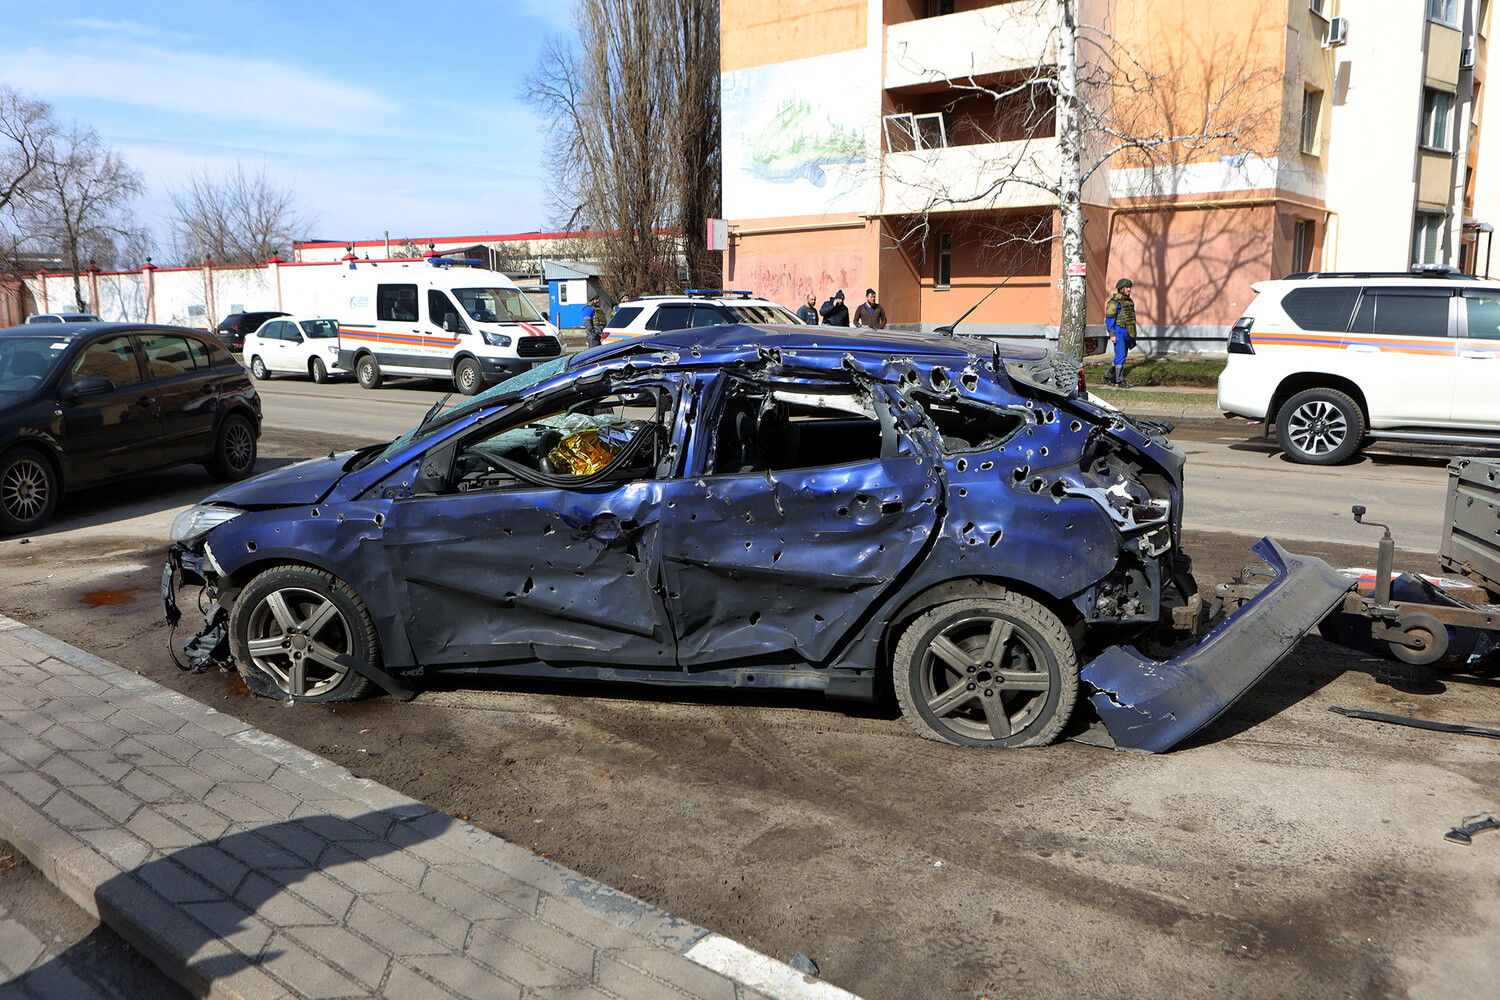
(1286, 851)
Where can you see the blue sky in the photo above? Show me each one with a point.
(381, 115)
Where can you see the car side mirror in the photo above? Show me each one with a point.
(450, 323)
(432, 475)
(91, 386)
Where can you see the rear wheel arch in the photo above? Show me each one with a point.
(1301, 381)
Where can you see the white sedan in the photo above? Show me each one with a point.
(295, 344)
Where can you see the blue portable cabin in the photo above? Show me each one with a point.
(570, 285)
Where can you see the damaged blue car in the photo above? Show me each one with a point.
(847, 512)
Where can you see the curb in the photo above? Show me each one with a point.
(60, 807)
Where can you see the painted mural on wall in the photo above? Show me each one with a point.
(797, 136)
(787, 277)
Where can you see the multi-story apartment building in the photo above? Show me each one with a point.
(911, 146)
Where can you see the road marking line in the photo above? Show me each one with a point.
(761, 972)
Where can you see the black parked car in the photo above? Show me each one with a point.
(232, 328)
(85, 403)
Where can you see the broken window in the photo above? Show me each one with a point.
(767, 428)
(580, 441)
(965, 426)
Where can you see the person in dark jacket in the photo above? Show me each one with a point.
(834, 312)
(870, 313)
(809, 312)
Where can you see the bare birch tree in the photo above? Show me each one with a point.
(240, 218)
(76, 203)
(1106, 107)
(26, 130)
(634, 112)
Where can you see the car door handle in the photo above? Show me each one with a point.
(1476, 355)
(144, 402)
(1362, 348)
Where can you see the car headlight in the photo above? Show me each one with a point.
(332, 349)
(195, 522)
(496, 339)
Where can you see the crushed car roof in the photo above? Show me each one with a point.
(728, 342)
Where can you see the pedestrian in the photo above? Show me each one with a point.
(591, 325)
(834, 312)
(809, 312)
(870, 313)
(1119, 320)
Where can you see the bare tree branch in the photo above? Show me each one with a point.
(240, 218)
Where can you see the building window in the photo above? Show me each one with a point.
(1316, 6)
(944, 260)
(1302, 244)
(1437, 119)
(937, 8)
(1312, 106)
(1427, 238)
(1445, 11)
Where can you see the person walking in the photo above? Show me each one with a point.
(1119, 320)
(592, 327)
(808, 313)
(870, 313)
(834, 312)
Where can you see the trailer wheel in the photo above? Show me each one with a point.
(468, 377)
(1432, 634)
(368, 371)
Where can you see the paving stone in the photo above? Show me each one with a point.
(294, 837)
(517, 963)
(201, 820)
(267, 796)
(64, 737)
(315, 889)
(687, 975)
(133, 750)
(337, 830)
(466, 978)
(147, 788)
(160, 831)
(29, 785)
(176, 884)
(19, 948)
(571, 918)
(120, 846)
(105, 763)
(170, 745)
(303, 972)
(628, 983)
(242, 810)
(243, 931)
(440, 922)
(213, 865)
(355, 956)
(406, 868)
(494, 882)
(27, 750)
(568, 993)
(55, 979)
(68, 771)
(465, 898)
(71, 814)
(394, 935)
(362, 878)
(267, 897)
(123, 720)
(562, 949)
(110, 800)
(407, 984)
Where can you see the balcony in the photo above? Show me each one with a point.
(1004, 38)
(958, 178)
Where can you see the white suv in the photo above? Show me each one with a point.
(694, 307)
(1335, 358)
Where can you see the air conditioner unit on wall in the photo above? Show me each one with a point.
(1338, 32)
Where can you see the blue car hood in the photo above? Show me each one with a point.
(303, 483)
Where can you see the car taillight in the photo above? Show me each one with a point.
(1239, 336)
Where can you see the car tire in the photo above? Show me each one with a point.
(1320, 427)
(286, 626)
(318, 370)
(235, 449)
(258, 369)
(28, 491)
(960, 673)
(368, 371)
(468, 378)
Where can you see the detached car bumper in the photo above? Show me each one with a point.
(1152, 706)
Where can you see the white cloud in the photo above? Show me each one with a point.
(217, 87)
(134, 29)
(559, 14)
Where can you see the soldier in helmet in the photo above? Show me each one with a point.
(1119, 320)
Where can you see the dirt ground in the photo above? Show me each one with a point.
(1286, 852)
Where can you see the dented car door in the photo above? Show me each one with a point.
(545, 544)
(810, 503)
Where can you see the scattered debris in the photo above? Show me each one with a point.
(802, 963)
(1406, 720)
(1470, 825)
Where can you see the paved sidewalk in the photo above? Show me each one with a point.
(246, 867)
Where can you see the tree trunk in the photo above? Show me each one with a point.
(1070, 200)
